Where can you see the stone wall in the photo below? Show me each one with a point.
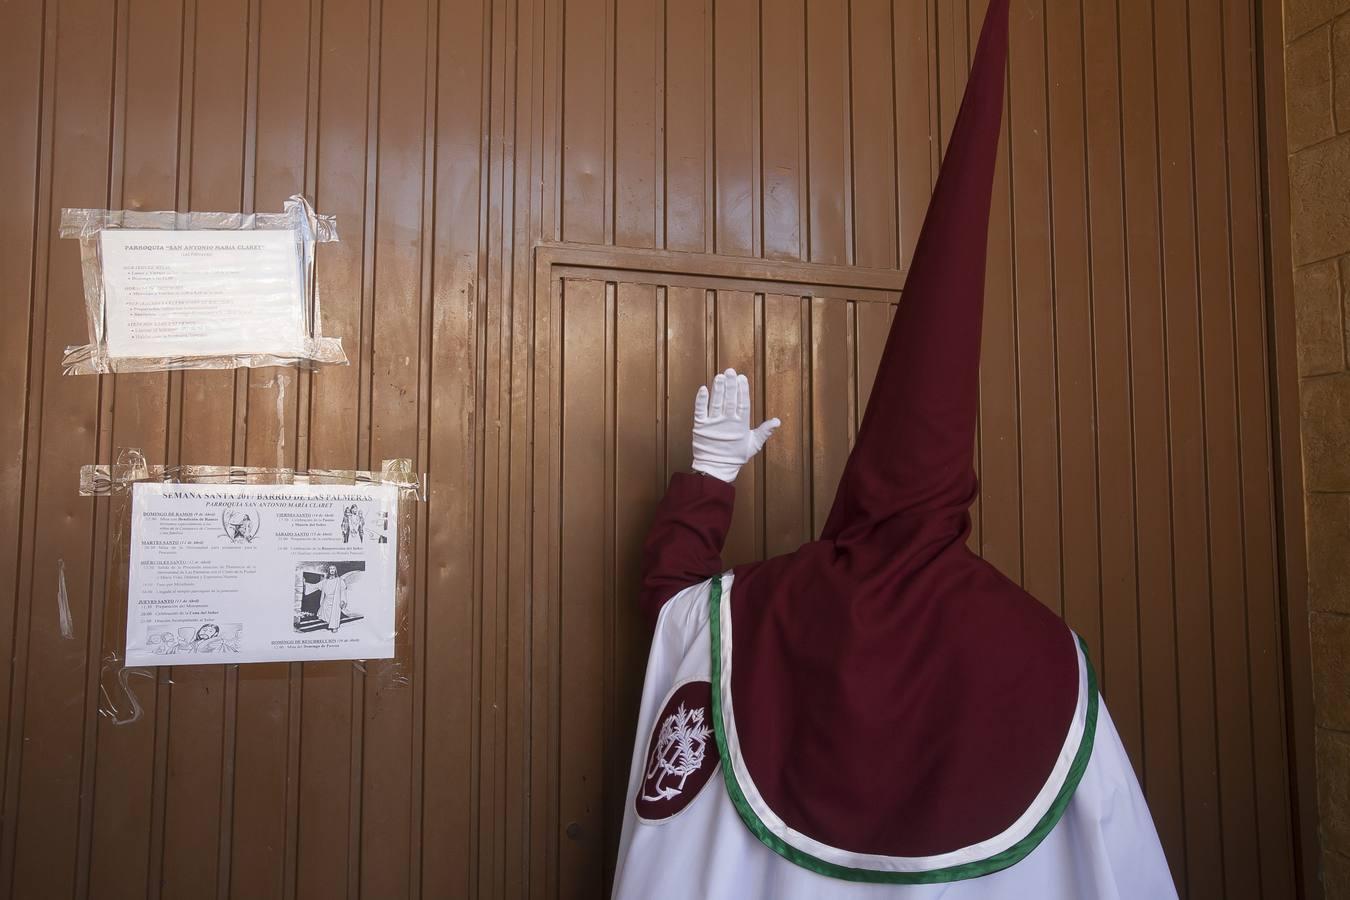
(1317, 64)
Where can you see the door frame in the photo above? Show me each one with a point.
(1286, 444)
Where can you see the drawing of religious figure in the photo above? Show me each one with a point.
(333, 591)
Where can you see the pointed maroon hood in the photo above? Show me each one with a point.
(892, 694)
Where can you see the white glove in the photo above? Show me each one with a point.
(723, 439)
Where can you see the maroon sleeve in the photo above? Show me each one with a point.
(684, 545)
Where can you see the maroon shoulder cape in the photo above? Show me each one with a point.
(894, 694)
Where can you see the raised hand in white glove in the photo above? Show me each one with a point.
(723, 438)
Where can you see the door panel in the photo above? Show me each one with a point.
(633, 351)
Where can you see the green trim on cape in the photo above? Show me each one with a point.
(1014, 854)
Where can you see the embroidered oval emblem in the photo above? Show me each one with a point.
(681, 753)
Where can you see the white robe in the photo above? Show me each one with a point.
(333, 595)
(1103, 848)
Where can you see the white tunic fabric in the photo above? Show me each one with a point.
(333, 596)
(1104, 847)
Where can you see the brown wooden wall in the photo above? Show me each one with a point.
(759, 169)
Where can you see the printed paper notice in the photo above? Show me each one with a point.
(261, 573)
(202, 293)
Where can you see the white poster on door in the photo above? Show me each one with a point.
(202, 293)
(261, 573)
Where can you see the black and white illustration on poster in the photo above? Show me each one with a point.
(205, 638)
(261, 573)
(324, 594)
(353, 524)
(241, 524)
(356, 530)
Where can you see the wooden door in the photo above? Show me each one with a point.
(627, 349)
(557, 219)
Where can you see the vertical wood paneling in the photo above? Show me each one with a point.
(954, 24)
(329, 752)
(496, 515)
(783, 130)
(1232, 699)
(524, 225)
(831, 404)
(387, 858)
(828, 137)
(447, 648)
(25, 63)
(43, 770)
(126, 760)
(268, 708)
(1119, 660)
(1290, 657)
(687, 366)
(688, 78)
(1126, 425)
(736, 126)
(915, 143)
(1185, 411)
(787, 473)
(585, 94)
(736, 349)
(873, 138)
(582, 601)
(1255, 424)
(1079, 569)
(544, 725)
(1161, 764)
(198, 812)
(637, 489)
(637, 182)
(872, 322)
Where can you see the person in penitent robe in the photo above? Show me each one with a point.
(879, 713)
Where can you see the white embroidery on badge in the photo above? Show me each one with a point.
(680, 748)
